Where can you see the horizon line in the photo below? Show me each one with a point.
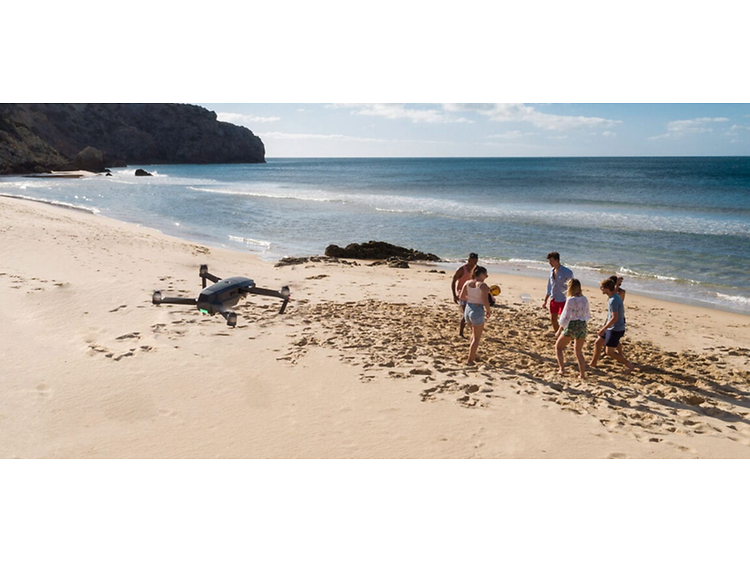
(535, 156)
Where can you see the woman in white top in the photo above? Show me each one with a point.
(476, 294)
(573, 326)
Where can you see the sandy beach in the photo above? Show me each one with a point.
(367, 362)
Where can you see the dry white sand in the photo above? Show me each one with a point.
(365, 364)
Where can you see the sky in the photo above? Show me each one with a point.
(493, 130)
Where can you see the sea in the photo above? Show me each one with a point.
(675, 228)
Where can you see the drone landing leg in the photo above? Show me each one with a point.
(283, 294)
(204, 274)
(230, 316)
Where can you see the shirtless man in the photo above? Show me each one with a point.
(556, 288)
(462, 275)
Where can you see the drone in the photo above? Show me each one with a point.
(223, 295)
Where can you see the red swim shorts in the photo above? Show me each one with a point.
(556, 307)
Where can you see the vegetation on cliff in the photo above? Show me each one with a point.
(37, 137)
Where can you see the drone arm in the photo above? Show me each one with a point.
(210, 277)
(158, 299)
(265, 292)
(177, 300)
(283, 294)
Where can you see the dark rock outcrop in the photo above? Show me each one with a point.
(315, 259)
(50, 135)
(397, 263)
(142, 172)
(378, 251)
(89, 159)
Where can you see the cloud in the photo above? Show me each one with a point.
(244, 119)
(510, 135)
(503, 112)
(478, 107)
(400, 111)
(680, 128)
(522, 113)
(609, 134)
(316, 136)
(339, 137)
(734, 130)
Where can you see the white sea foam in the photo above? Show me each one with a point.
(300, 196)
(625, 220)
(92, 210)
(250, 241)
(734, 298)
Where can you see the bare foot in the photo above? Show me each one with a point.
(561, 372)
(629, 369)
(592, 365)
(470, 363)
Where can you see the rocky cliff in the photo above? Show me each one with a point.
(37, 137)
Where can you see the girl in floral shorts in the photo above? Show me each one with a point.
(573, 321)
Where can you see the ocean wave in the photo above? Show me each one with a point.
(589, 270)
(544, 265)
(92, 210)
(745, 301)
(297, 196)
(250, 241)
(650, 284)
(402, 211)
(617, 220)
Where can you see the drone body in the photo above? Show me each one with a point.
(223, 295)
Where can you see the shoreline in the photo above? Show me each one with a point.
(504, 268)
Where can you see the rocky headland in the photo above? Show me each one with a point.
(39, 137)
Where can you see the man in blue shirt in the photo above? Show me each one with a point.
(556, 288)
(614, 329)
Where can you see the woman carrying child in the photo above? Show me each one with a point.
(476, 294)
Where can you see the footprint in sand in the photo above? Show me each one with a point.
(617, 456)
(132, 335)
(130, 353)
(95, 348)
